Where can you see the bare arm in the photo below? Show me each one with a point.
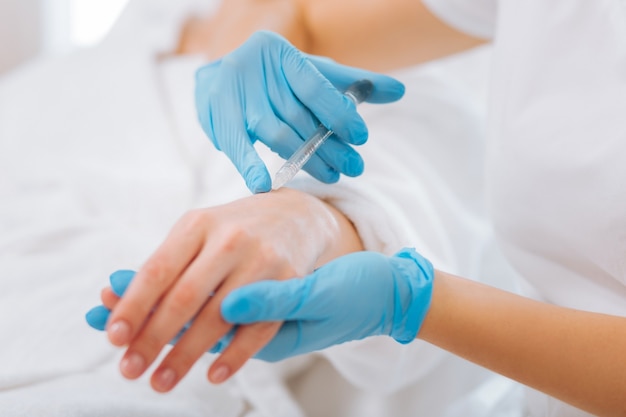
(573, 355)
(379, 35)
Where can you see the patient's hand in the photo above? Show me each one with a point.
(207, 254)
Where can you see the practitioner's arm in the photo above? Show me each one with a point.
(207, 254)
(378, 35)
(573, 355)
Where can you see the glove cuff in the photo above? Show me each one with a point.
(413, 293)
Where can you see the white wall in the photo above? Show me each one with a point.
(32, 27)
(92, 19)
(21, 28)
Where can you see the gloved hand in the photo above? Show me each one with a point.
(358, 295)
(268, 90)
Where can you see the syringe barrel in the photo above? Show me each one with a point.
(359, 91)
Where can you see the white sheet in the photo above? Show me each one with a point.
(100, 153)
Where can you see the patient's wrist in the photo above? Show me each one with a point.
(330, 224)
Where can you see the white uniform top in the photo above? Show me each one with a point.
(557, 148)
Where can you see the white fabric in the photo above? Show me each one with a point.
(556, 152)
(475, 17)
(100, 153)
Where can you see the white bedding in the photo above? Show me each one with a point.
(100, 153)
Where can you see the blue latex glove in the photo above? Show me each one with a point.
(268, 90)
(358, 295)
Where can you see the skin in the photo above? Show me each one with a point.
(215, 250)
(376, 35)
(234, 22)
(575, 356)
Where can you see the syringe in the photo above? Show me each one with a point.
(357, 92)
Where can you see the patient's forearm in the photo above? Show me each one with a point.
(378, 35)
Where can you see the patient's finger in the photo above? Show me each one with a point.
(248, 340)
(109, 298)
(209, 327)
(198, 339)
(183, 301)
(155, 278)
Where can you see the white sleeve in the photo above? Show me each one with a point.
(475, 17)
(422, 187)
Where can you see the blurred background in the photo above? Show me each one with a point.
(33, 28)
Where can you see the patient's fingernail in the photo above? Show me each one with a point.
(132, 365)
(119, 333)
(164, 379)
(220, 374)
